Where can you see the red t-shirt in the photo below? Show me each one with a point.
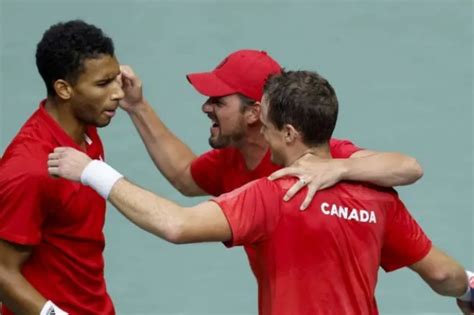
(323, 260)
(222, 170)
(62, 220)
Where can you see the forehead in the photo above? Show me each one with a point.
(104, 66)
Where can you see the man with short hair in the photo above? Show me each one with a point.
(240, 154)
(322, 261)
(51, 238)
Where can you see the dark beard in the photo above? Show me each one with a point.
(225, 141)
(220, 142)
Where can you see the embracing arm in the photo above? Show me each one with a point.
(171, 156)
(15, 291)
(381, 168)
(204, 222)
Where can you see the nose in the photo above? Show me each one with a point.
(207, 107)
(118, 92)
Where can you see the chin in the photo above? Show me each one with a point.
(101, 124)
(218, 143)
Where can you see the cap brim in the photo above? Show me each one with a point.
(207, 83)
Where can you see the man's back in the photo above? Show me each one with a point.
(323, 260)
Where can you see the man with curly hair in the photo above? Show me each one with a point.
(51, 238)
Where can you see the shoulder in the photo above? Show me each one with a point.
(26, 156)
(363, 191)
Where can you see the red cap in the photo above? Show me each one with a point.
(244, 71)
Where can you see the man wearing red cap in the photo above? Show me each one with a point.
(240, 153)
(322, 261)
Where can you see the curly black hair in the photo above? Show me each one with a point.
(65, 46)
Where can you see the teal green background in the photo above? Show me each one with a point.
(403, 71)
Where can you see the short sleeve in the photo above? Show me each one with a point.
(206, 171)
(252, 211)
(405, 243)
(342, 149)
(21, 214)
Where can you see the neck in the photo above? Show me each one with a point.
(253, 147)
(61, 113)
(300, 150)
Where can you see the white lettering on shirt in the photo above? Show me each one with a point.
(346, 213)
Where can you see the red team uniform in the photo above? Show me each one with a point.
(323, 260)
(222, 170)
(62, 220)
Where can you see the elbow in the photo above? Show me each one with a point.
(448, 282)
(416, 171)
(183, 187)
(175, 232)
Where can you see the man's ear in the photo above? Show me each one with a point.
(63, 89)
(291, 134)
(252, 114)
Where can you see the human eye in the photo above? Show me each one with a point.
(104, 83)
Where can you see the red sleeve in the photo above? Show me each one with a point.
(405, 243)
(21, 214)
(206, 171)
(253, 211)
(342, 149)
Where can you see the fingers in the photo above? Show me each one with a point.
(287, 171)
(127, 72)
(309, 197)
(60, 149)
(294, 189)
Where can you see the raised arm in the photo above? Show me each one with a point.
(157, 215)
(171, 156)
(204, 222)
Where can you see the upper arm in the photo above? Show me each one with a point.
(429, 266)
(188, 186)
(405, 243)
(205, 172)
(363, 153)
(252, 211)
(12, 256)
(204, 222)
(342, 149)
(21, 191)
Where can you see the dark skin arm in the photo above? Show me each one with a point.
(15, 291)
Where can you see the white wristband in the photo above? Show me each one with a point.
(100, 176)
(50, 309)
(468, 296)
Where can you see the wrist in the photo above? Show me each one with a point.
(343, 168)
(100, 176)
(468, 295)
(138, 108)
(49, 308)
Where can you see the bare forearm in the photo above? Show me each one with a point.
(19, 296)
(204, 222)
(442, 273)
(150, 212)
(385, 169)
(170, 154)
